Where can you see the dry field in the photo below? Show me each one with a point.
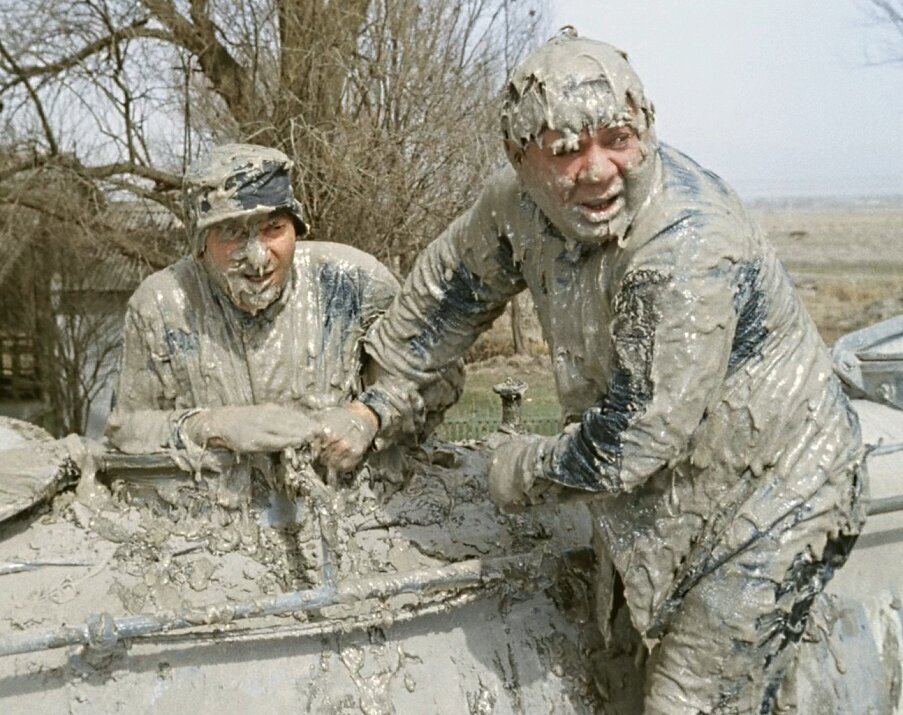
(847, 263)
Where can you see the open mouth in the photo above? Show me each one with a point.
(600, 209)
(258, 279)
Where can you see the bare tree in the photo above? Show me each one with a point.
(387, 107)
(385, 104)
(59, 319)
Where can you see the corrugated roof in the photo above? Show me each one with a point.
(147, 221)
(141, 223)
(141, 214)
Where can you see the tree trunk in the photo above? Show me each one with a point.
(517, 325)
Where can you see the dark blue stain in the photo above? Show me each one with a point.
(805, 579)
(179, 341)
(505, 258)
(680, 175)
(341, 299)
(465, 300)
(751, 306)
(573, 257)
(376, 401)
(690, 219)
(717, 182)
(590, 459)
(467, 304)
(267, 186)
(567, 263)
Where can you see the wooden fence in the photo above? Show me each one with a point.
(478, 425)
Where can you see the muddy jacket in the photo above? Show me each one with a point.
(187, 346)
(700, 401)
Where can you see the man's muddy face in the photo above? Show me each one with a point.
(251, 260)
(582, 182)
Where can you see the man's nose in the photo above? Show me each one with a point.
(256, 254)
(597, 166)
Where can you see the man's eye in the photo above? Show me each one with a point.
(227, 234)
(620, 141)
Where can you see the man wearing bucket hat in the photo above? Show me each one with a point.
(237, 344)
(702, 420)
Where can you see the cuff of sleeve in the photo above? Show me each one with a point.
(177, 437)
(398, 407)
(379, 402)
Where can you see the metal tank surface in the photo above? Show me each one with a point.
(148, 590)
(130, 586)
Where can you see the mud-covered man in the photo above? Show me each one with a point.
(238, 343)
(701, 414)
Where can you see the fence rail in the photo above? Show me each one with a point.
(479, 425)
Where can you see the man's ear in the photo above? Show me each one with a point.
(514, 152)
(199, 253)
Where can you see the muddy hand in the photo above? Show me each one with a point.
(512, 471)
(344, 435)
(250, 428)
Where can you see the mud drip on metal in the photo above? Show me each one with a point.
(417, 596)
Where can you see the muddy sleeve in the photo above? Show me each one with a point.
(380, 289)
(458, 286)
(673, 338)
(144, 418)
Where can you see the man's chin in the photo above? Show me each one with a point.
(256, 302)
(253, 298)
(586, 232)
(575, 225)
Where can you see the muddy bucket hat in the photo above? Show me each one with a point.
(237, 180)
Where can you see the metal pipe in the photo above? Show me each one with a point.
(882, 449)
(104, 631)
(885, 505)
(19, 566)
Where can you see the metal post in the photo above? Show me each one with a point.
(512, 392)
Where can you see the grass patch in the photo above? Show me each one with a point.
(540, 400)
(479, 410)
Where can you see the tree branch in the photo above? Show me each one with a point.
(153, 258)
(227, 77)
(163, 179)
(39, 107)
(135, 30)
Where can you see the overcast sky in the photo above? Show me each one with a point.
(779, 97)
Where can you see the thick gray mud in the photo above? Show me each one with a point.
(516, 641)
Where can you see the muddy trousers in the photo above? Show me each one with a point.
(734, 637)
(727, 647)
